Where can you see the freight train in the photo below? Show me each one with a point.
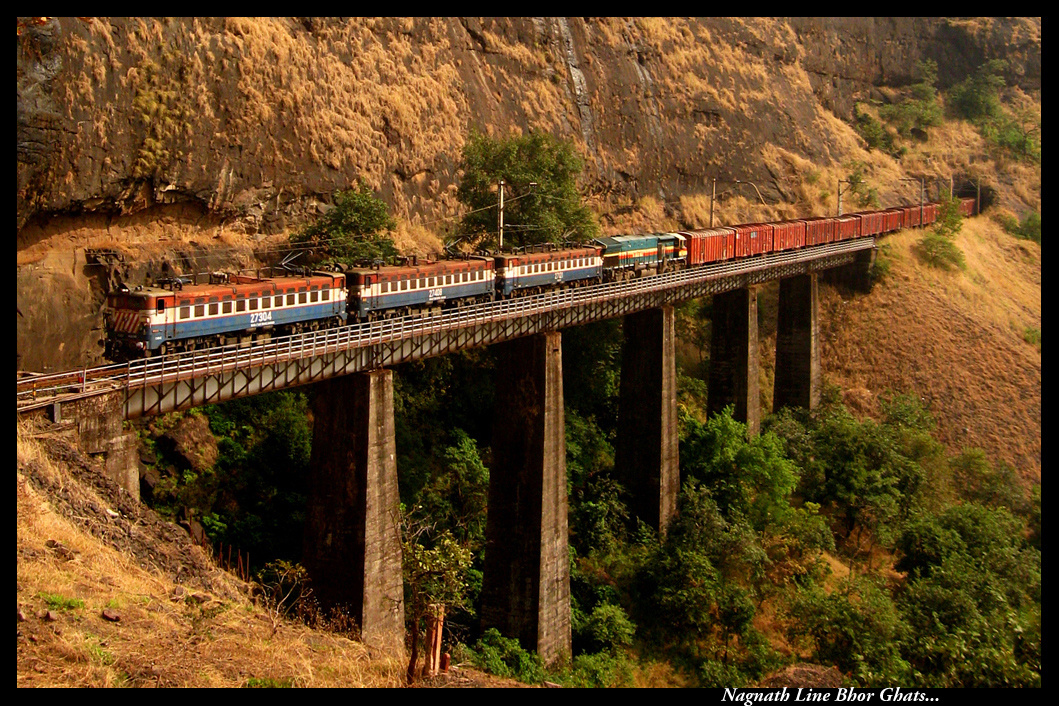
(182, 314)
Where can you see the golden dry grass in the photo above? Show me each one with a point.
(197, 641)
(956, 339)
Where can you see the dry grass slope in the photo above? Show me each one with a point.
(76, 558)
(958, 339)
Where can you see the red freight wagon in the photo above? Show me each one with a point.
(847, 227)
(930, 213)
(753, 239)
(711, 245)
(892, 220)
(788, 235)
(818, 230)
(871, 222)
(910, 216)
(967, 207)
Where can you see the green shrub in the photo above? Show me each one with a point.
(601, 670)
(977, 97)
(504, 657)
(1030, 228)
(606, 629)
(938, 251)
(268, 683)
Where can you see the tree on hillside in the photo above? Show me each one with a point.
(976, 98)
(355, 231)
(541, 201)
(950, 220)
(921, 109)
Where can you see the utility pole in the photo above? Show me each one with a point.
(501, 216)
(922, 190)
(840, 183)
(713, 196)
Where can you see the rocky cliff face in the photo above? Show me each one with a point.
(132, 131)
(254, 119)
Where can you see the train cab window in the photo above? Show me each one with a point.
(161, 306)
(200, 310)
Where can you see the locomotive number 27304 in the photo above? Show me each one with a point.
(261, 318)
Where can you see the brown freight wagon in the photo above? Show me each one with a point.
(871, 222)
(819, 230)
(788, 235)
(847, 227)
(710, 245)
(892, 219)
(753, 239)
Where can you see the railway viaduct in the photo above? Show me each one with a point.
(352, 546)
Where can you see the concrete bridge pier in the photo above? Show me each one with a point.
(352, 532)
(96, 422)
(856, 276)
(647, 457)
(734, 362)
(526, 581)
(798, 378)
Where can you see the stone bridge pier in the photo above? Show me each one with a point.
(734, 361)
(352, 545)
(526, 578)
(798, 380)
(647, 461)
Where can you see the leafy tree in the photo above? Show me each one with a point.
(950, 219)
(455, 496)
(977, 98)
(688, 583)
(865, 196)
(605, 629)
(977, 480)
(748, 477)
(972, 599)
(939, 251)
(858, 631)
(435, 575)
(354, 231)
(875, 134)
(921, 110)
(550, 211)
(1029, 228)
